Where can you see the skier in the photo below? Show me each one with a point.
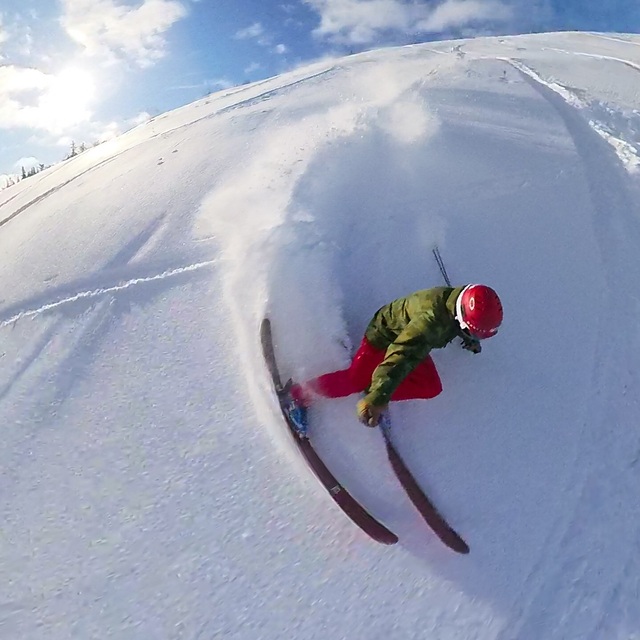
(393, 361)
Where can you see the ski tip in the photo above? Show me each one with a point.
(390, 539)
(455, 542)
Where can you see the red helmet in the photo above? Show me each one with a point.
(479, 311)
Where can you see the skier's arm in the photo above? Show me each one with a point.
(410, 348)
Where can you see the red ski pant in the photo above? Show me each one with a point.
(422, 383)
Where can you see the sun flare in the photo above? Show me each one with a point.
(68, 98)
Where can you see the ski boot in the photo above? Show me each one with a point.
(298, 417)
(296, 412)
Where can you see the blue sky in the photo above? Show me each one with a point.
(86, 70)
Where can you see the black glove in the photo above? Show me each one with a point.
(471, 344)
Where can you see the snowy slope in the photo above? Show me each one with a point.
(148, 486)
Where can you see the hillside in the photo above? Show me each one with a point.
(149, 489)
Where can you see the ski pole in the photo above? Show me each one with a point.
(443, 270)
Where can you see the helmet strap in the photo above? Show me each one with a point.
(459, 318)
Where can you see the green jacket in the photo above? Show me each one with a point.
(408, 328)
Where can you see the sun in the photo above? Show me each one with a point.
(68, 98)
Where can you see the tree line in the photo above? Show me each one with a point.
(74, 150)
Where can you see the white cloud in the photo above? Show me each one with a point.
(141, 118)
(359, 21)
(454, 14)
(27, 163)
(25, 46)
(365, 21)
(256, 30)
(218, 84)
(109, 29)
(252, 68)
(93, 132)
(35, 100)
(3, 33)
(17, 34)
(19, 90)
(103, 131)
(208, 86)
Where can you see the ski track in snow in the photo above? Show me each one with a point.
(614, 39)
(627, 153)
(95, 293)
(596, 56)
(267, 95)
(609, 452)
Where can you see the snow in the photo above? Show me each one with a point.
(149, 489)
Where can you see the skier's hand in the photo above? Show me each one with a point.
(369, 414)
(471, 344)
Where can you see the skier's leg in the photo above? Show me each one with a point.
(339, 384)
(363, 365)
(422, 383)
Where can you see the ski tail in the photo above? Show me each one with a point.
(266, 339)
(420, 499)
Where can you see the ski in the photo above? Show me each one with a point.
(419, 498)
(351, 507)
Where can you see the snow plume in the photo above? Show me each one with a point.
(402, 112)
(408, 121)
(285, 243)
(281, 243)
